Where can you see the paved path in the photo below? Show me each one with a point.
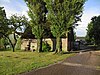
(81, 64)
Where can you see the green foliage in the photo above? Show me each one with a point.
(16, 25)
(17, 22)
(1, 43)
(89, 35)
(3, 22)
(45, 47)
(93, 31)
(18, 44)
(37, 12)
(4, 28)
(4, 44)
(63, 14)
(11, 26)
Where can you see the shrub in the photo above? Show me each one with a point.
(18, 45)
(45, 46)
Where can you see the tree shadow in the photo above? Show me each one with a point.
(5, 50)
(71, 52)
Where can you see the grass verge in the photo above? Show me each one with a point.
(12, 63)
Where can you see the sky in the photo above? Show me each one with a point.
(91, 8)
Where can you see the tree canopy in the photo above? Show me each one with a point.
(11, 26)
(93, 31)
(63, 14)
(37, 12)
(17, 24)
(3, 22)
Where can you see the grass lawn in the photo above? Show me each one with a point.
(12, 63)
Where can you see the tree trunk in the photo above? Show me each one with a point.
(39, 45)
(13, 47)
(70, 35)
(54, 44)
(5, 47)
(58, 45)
(69, 42)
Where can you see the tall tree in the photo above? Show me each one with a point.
(63, 14)
(37, 13)
(3, 21)
(4, 28)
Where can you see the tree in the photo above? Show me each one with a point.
(16, 25)
(4, 28)
(89, 36)
(63, 14)
(93, 31)
(11, 26)
(37, 12)
(3, 22)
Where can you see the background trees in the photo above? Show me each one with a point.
(89, 37)
(37, 12)
(93, 31)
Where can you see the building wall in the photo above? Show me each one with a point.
(64, 44)
(24, 43)
(34, 44)
(50, 41)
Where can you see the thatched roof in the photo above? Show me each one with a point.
(28, 34)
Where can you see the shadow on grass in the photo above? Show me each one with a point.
(5, 49)
(70, 52)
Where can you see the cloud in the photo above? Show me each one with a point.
(5, 1)
(86, 18)
(14, 11)
(2, 2)
(91, 9)
(14, 7)
(26, 14)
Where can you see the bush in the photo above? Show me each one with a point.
(45, 46)
(18, 44)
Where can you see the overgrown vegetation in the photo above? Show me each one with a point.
(12, 63)
(45, 47)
